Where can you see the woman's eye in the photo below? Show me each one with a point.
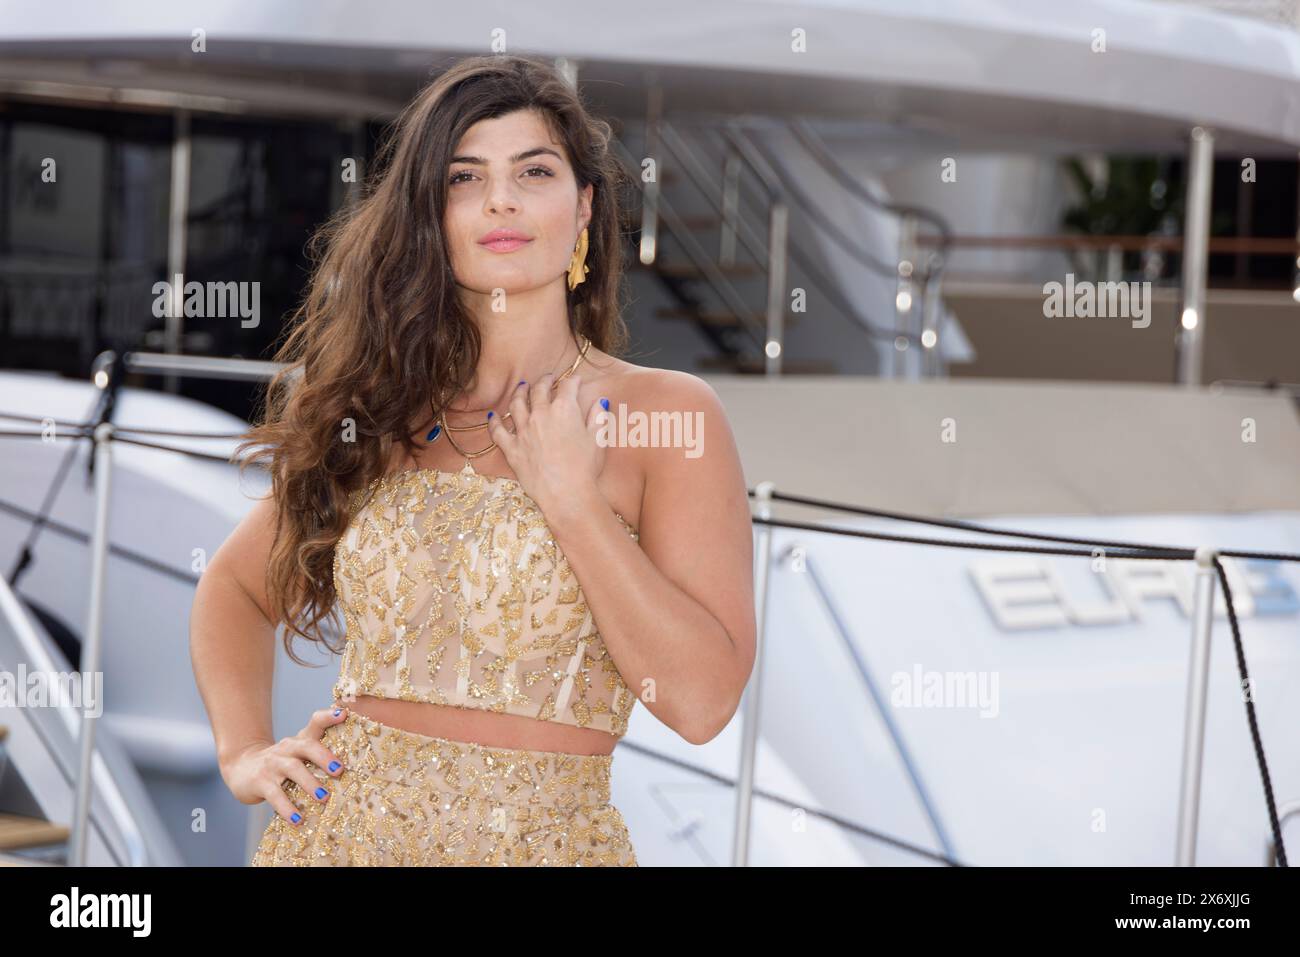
(461, 176)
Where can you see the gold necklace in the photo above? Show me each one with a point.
(471, 428)
(444, 427)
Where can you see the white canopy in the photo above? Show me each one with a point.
(993, 71)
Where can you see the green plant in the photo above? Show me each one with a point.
(1135, 198)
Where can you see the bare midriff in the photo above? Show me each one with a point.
(482, 727)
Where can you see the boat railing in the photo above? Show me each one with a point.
(1207, 561)
(37, 658)
(719, 160)
(1209, 568)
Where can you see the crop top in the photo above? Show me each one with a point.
(454, 592)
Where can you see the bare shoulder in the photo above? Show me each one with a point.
(672, 431)
(646, 387)
(664, 390)
(678, 429)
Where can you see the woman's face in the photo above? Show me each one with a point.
(507, 173)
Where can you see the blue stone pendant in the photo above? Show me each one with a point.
(433, 433)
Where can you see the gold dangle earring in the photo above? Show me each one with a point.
(578, 267)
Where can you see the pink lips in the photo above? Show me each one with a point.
(504, 240)
(506, 245)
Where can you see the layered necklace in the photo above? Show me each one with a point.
(442, 425)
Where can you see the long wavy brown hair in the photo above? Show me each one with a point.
(380, 341)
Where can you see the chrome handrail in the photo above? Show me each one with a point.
(716, 193)
(740, 138)
(1198, 676)
(650, 189)
(727, 204)
(694, 252)
(929, 277)
(169, 365)
(750, 706)
(35, 652)
(819, 152)
(90, 650)
(776, 190)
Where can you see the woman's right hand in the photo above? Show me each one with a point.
(256, 773)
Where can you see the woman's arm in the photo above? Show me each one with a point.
(232, 636)
(676, 613)
(232, 647)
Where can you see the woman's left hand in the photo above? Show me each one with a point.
(553, 448)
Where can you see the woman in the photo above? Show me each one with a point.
(511, 581)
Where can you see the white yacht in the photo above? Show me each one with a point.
(906, 168)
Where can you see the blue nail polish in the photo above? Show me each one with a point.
(337, 712)
(490, 414)
(522, 382)
(321, 792)
(433, 433)
(604, 404)
(334, 765)
(296, 817)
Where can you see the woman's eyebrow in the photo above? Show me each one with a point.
(518, 157)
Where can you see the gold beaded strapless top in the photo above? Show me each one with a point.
(454, 592)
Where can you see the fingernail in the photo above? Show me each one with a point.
(433, 433)
(490, 414)
(296, 817)
(321, 792)
(604, 404)
(334, 766)
(522, 382)
(337, 712)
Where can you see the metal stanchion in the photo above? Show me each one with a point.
(749, 703)
(906, 364)
(778, 235)
(1198, 674)
(90, 654)
(1200, 181)
(177, 238)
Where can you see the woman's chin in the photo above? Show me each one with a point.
(512, 285)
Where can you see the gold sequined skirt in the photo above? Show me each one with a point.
(408, 799)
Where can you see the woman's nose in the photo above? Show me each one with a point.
(502, 199)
